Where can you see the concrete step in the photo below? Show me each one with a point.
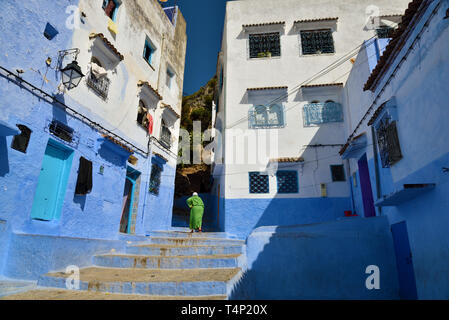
(164, 262)
(195, 241)
(163, 282)
(186, 234)
(62, 294)
(9, 287)
(186, 250)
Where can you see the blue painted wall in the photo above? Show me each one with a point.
(240, 216)
(319, 261)
(420, 90)
(93, 218)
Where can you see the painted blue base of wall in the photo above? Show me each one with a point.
(240, 216)
(31, 256)
(319, 261)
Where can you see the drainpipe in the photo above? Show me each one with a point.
(150, 149)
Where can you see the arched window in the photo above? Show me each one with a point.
(267, 116)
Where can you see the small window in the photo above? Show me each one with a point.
(21, 141)
(287, 181)
(142, 112)
(148, 51)
(317, 42)
(61, 131)
(266, 116)
(165, 135)
(264, 45)
(110, 7)
(50, 32)
(155, 179)
(84, 181)
(169, 79)
(388, 142)
(384, 32)
(258, 183)
(338, 173)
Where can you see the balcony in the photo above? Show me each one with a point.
(321, 113)
(99, 85)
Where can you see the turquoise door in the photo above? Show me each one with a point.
(52, 183)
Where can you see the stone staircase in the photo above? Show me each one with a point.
(169, 265)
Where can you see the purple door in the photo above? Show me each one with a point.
(365, 184)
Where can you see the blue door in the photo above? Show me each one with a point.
(404, 263)
(367, 191)
(52, 183)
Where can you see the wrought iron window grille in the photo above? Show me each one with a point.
(317, 42)
(258, 183)
(388, 142)
(165, 137)
(287, 182)
(384, 32)
(320, 113)
(155, 179)
(264, 45)
(99, 85)
(266, 117)
(63, 133)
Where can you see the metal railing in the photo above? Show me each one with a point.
(99, 85)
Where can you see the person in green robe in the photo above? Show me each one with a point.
(196, 206)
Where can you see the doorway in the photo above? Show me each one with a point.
(130, 201)
(365, 185)
(404, 263)
(52, 184)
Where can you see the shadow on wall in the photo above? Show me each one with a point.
(306, 205)
(319, 261)
(4, 160)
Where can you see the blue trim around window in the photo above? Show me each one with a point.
(148, 46)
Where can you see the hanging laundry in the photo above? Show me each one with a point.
(98, 71)
(84, 182)
(150, 123)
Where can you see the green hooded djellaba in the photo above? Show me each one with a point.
(196, 206)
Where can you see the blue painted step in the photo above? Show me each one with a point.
(175, 282)
(187, 250)
(195, 241)
(180, 233)
(161, 262)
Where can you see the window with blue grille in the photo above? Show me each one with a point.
(320, 113)
(155, 179)
(317, 42)
(287, 181)
(258, 183)
(264, 45)
(266, 116)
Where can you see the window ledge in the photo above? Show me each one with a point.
(150, 65)
(266, 58)
(317, 55)
(404, 194)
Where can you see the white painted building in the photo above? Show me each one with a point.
(137, 58)
(281, 71)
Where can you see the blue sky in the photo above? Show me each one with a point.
(205, 19)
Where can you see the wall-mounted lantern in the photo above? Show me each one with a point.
(71, 74)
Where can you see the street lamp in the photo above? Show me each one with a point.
(72, 75)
